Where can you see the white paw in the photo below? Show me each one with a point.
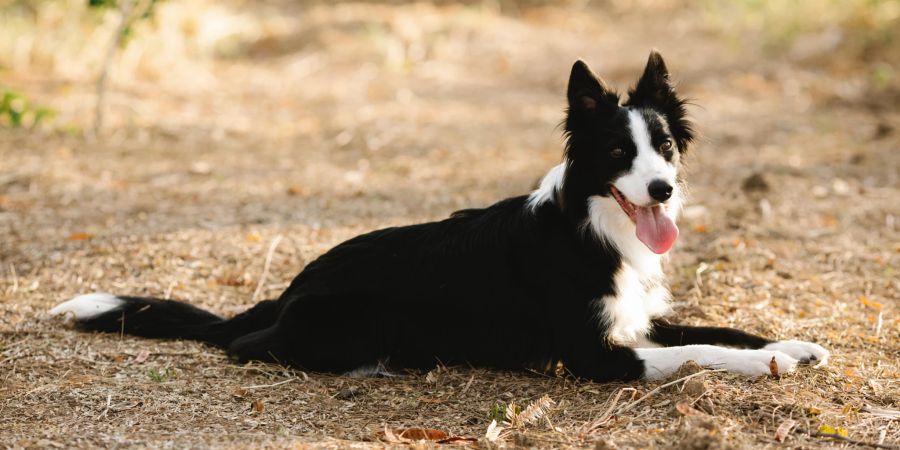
(805, 352)
(662, 362)
(756, 363)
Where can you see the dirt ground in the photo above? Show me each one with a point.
(339, 119)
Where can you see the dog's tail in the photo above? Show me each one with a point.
(163, 319)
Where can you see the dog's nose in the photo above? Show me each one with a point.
(660, 190)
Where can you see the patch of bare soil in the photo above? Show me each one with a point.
(359, 116)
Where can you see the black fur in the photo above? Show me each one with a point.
(169, 319)
(505, 286)
(654, 90)
(671, 335)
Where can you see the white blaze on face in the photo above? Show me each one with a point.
(654, 221)
(648, 164)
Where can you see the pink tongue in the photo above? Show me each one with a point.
(655, 229)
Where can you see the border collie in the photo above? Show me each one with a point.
(570, 273)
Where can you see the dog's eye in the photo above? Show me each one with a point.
(666, 145)
(617, 153)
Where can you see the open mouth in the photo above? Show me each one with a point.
(653, 226)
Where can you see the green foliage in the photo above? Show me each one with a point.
(883, 75)
(498, 412)
(148, 12)
(16, 111)
(128, 31)
(866, 25)
(161, 375)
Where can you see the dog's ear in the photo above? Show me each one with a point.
(587, 92)
(654, 87)
(654, 90)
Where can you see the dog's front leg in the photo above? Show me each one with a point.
(671, 335)
(662, 362)
(625, 364)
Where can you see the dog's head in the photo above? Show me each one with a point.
(629, 153)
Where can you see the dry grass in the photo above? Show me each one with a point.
(321, 122)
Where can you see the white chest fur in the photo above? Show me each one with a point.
(640, 290)
(626, 314)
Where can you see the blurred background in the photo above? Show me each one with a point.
(163, 147)
(173, 53)
(127, 125)
(124, 119)
(120, 101)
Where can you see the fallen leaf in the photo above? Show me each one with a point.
(773, 367)
(700, 228)
(493, 431)
(390, 436)
(257, 406)
(141, 356)
(813, 411)
(80, 236)
(234, 280)
(425, 399)
(850, 412)
(871, 304)
(686, 409)
(407, 435)
(784, 429)
(423, 434)
(837, 431)
(240, 392)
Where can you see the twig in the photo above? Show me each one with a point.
(125, 8)
(659, 388)
(15, 357)
(882, 412)
(844, 439)
(168, 294)
(15, 278)
(590, 427)
(105, 410)
(615, 402)
(265, 272)
(468, 385)
(122, 327)
(260, 386)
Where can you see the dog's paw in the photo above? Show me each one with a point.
(805, 352)
(756, 363)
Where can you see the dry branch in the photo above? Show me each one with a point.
(265, 272)
(125, 8)
(661, 387)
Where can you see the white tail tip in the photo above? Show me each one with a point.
(87, 306)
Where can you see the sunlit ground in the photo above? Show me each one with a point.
(229, 125)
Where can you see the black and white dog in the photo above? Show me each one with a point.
(570, 273)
